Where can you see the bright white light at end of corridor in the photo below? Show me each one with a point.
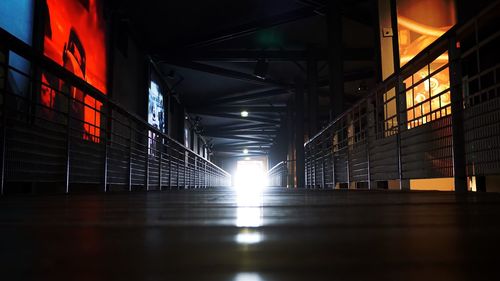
(250, 175)
(249, 183)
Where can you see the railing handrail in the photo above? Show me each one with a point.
(19, 47)
(386, 82)
(275, 167)
(411, 64)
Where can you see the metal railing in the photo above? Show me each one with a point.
(390, 136)
(278, 175)
(45, 138)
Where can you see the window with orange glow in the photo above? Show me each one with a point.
(428, 93)
(75, 38)
(420, 23)
(390, 113)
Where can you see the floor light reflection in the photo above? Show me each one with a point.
(249, 236)
(249, 208)
(250, 182)
(248, 277)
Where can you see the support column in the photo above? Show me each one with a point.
(370, 137)
(335, 58)
(404, 183)
(130, 157)
(291, 146)
(387, 32)
(350, 145)
(312, 91)
(107, 143)
(457, 118)
(299, 134)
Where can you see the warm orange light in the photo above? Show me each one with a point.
(428, 97)
(420, 23)
(419, 98)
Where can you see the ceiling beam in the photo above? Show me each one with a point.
(350, 54)
(259, 140)
(240, 154)
(230, 134)
(350, 10)
(237, 109)
(259, 152)
(250, 147)
(238, 127)
(254, 26)
(242, 132)
(222, 72)
(243, 143)
(247, 97)
(238, 117)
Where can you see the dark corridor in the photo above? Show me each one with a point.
(249, 140)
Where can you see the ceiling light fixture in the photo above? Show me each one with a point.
(245, 151)
(244, 113)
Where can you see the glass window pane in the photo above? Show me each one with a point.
(420, 23)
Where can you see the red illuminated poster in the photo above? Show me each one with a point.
(75, 38)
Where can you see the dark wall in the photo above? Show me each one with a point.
(467, 9)
(130, 79)
(176, 120)
(279, 149)
(130, 74)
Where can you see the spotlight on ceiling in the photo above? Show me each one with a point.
(245, 151)
(261, 69)
(244, 113)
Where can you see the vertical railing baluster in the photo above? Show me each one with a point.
(186, 168)
(205, 176)
(400, 106)
(160, 164)
(177, 164)
(130, 157)
(195, 172)
(169, 159)
(4, 122)
(107, 142)
(68, 142)
(146, 179)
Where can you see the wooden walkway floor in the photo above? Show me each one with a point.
(277, 234)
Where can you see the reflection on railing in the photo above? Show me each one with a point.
(278, 175)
